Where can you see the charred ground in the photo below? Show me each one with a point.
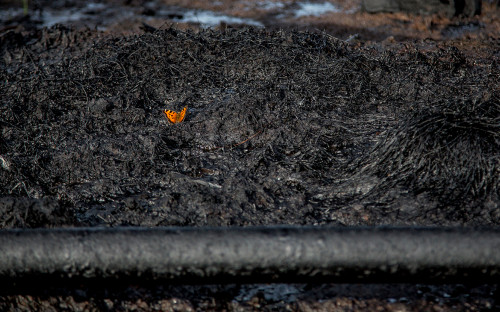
(283, 127)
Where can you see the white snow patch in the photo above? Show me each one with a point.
(315, 9)
(211, 19)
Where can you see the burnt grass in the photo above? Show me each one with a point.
(283, 127)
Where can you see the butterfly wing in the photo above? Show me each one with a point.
(182, 114)
(171, 115)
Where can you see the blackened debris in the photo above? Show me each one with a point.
(283, 127)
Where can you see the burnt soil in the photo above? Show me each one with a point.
(284, 126)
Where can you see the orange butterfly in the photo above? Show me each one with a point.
(175, 117)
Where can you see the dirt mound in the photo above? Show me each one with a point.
(282, 128)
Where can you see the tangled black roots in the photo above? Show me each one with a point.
(449, 150)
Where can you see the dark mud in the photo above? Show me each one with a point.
(283, 127)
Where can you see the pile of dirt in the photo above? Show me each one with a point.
(282, 128)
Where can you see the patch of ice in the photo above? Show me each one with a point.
(270, 5)
(315, 9)
(95, 6)
(51, 18)
(211, 19)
